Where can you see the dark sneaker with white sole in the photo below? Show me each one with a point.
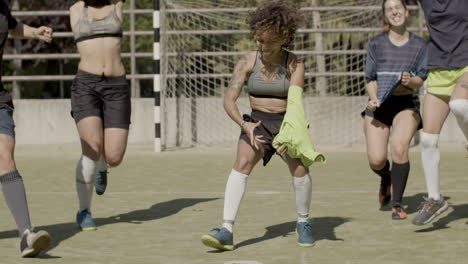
(429, 209)
(33, 243)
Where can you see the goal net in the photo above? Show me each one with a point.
(202, 41)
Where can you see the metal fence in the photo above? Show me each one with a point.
(134, 76)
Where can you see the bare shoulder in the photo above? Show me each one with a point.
(294, 63)
(250, 58)
(78, 5)
(75, 10)
(117, 2)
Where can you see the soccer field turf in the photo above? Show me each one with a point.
(157, 206)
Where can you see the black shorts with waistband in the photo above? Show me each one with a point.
(268, 128)
(394, 105)
(106, 97)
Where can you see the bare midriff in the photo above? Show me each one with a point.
(101, 56)
(269, 105)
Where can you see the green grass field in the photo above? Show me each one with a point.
(158, 205)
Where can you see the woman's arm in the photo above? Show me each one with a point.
(75, 11)
(234, 89)
(24, 31)
(371, 88)
(296, 71)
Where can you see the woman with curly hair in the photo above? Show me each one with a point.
(100, 98)
(269, 73)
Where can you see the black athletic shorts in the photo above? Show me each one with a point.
(394, 105)
(269, 128)
(106, 97)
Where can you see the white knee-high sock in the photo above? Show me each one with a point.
(303, 190)
(459, 108)
(235, 189)
(101, 164)
(85, 178)
(430, 160)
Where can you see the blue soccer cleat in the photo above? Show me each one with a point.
(85, 220)
(304, 232)
(222, 239)
(101, 182)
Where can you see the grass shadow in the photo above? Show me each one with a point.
(64, 231)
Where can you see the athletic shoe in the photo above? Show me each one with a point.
(304, 232)
(222, 239)
(398, 212)
(101, 182)
(385, 192)
(429, 209)
(33, 243)
(85, 221)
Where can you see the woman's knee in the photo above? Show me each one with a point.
(299, 171)
(7, 163)
(429, 141)
(244, 165)
(114, 160)
(377, 162)
(399, 152)
(92, 148)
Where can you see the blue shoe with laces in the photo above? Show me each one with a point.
(101, 182)
(304, 232)
(85, 221)
(222, 239)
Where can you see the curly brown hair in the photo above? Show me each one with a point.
(279, 16)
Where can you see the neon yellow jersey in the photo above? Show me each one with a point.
(294, 131)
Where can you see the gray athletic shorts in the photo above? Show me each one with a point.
(7, 124)
(101, 96)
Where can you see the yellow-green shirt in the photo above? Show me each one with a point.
(294, 131)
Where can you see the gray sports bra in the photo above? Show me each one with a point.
(88, 27)
(277, 88)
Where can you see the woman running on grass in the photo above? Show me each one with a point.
(447, 90)
(395, 70)
(100, 98)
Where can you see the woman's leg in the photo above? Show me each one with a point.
(302, 184)
(246, 159)
(377, 134)
(405, 125)
(459, 104)
(91, 136)
(12, 184)
(115, 145)
(435, 112)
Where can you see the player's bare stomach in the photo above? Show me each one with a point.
(269, 105)
(101, 56)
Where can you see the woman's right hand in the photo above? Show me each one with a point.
(373, 104)
(249, 128)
